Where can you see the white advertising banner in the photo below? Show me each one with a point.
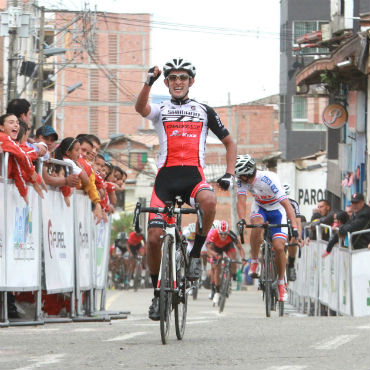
(310, 188)
(333, 258)
(361, 282)
(324, 279)
(313, 276)
(83, 241)
(58, 240)
(2, 238)
(102, 240)
(22, 240)
(344, 282)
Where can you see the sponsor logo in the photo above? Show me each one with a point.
(183, 134)
(22, 234)
(84, 237)
(56, 241)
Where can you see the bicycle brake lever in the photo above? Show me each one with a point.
(136, 215)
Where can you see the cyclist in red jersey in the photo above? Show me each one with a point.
(182, 125)
(135, 246)
(220, 240)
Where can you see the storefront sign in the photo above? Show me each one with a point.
(335, 116)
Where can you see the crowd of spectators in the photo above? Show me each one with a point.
(84, 167)
(355, 217)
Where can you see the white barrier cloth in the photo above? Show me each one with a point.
(102, 236)
(22, 240)
(58, 241)
(344, 282)
(2, 239)
(361, 283)
(83, 241)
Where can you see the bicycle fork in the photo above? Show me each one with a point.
(172, 254)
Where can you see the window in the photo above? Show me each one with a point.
(302, 27)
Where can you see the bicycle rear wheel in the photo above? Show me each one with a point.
(181, 300)
(165, 295)
(268, 281)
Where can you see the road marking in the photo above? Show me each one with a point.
(43, 361)
(287, 367)
(111, 299)
(126, 336)
(335, 343)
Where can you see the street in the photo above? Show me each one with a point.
(241, 338)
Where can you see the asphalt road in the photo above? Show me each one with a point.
(240, 338)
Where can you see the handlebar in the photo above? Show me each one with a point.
(169, 210)
(242, 224)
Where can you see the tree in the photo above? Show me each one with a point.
(123, 223)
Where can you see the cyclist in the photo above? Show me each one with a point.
(292, 250)
(182, 125)
(220, 240)
(135, 246)
(119, 255)
(270, 205)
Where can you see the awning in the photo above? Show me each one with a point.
(350, 61)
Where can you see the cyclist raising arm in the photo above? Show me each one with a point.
(270, 204)
(182, 125)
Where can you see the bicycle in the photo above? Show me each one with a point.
(269, 275)
(137, 275)
(172, 285)
(225, 285)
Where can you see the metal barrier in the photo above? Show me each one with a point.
(337, 284)
(48, 246)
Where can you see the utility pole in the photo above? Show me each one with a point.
(14, 14)
(234, 135)
(40, 77)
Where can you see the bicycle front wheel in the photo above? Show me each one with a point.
(137, 276)
(165, 295)
(181, 300)
(224, 290)
(268, 281)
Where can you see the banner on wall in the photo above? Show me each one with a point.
(22, 240)
(83, 241)
(58, 240)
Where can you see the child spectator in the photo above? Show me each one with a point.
(120, 178)
(90, 188)
(46, 134)
(69, 151)
(20, 167)
(340, 218)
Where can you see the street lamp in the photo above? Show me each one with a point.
(70, 90)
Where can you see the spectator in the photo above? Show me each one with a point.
(21, 108)
(120, 178)
(348, 209)
(86, 148)
(69, 151)
(340, 218)
(20, 167)
(326, 218)
(47, 135)
(360, 220)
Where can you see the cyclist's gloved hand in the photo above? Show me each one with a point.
(295, 233)
(226, 182)
(151, 77)
(242, 222)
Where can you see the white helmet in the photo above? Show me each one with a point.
(245, 165)
(287, 188)
(179, 64)
(223, 227)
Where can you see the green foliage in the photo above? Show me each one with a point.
(330, 80)
(123, 223)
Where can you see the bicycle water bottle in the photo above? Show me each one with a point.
(239, 279)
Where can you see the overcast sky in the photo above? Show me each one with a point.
(233, 44)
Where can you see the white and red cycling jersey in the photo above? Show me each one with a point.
(266, 190)
(182, 131)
